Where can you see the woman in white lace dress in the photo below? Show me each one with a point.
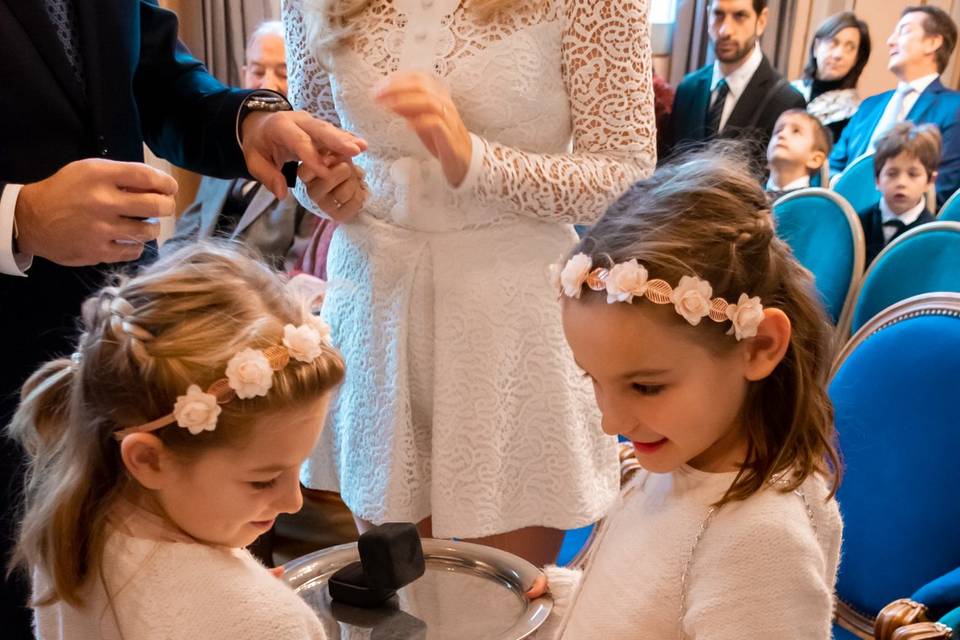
(493, 125)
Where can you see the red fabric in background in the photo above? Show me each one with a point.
(314, 258)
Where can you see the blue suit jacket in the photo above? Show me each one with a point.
(936, 105)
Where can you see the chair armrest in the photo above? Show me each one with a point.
(923, 631)
(853, 621)
(898, 614)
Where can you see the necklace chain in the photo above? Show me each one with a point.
(704, 525)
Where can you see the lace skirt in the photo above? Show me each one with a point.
(461, 399)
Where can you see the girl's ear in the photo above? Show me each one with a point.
(764, 351)
(147, 460)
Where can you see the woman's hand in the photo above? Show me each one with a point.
(339, 190)
(427, 107)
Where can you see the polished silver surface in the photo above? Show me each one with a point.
(469, 592)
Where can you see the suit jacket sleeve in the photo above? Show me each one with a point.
(187, 116)
(681, 106)
(948, 178)
(840, 155)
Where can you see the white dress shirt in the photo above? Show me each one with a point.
(11, 264)
(737, 81)
(907, 217)
(800, 183)
(888, 118)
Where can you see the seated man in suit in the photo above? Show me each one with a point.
(738, 96)
(920, 48)
(905, 165)
(244, 209)
(797, 151)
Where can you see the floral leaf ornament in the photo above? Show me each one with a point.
(746, 316)
(691, 298)
(196, 411)
(249, 374)
(627, 281)
(302, 342)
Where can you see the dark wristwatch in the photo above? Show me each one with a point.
(262, 100)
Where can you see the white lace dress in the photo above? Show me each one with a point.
(461, 398)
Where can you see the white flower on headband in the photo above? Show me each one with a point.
(196, 411)
(574, 274)
(626, 280)
(746, 316)
(249, 374)
(692, 298)
(302, 342)
(321, 327)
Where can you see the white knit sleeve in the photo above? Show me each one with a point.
(760, 575)
(606, 66)
(308, 81)
(563, 584)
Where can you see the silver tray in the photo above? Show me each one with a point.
(468, 592)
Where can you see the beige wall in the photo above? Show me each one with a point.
(880, 16)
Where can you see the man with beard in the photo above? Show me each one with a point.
(738, 96)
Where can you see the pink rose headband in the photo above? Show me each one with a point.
(692, 297)
(249, 374)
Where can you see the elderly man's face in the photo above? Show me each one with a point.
(266, 66)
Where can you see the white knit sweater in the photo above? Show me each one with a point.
(764, 568)
(178, 589)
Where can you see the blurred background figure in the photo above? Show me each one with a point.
(838, 53)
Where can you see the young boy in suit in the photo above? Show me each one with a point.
(905, 165)
(797, 151)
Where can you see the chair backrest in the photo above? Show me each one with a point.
(857, 183)
(923, 260)
(951, 208)
(825, 235)
(894, 391)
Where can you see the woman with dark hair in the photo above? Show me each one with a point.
(838, 54)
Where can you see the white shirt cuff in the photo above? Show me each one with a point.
(476, 166)
(11, 264)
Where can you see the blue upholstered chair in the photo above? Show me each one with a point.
(825, 235)
(925, 259)
(857, 184)
(894, 390)
(951, 208)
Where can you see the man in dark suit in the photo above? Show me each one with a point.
(87, 84)
(279, 228)
(920, 48)
(738, 96)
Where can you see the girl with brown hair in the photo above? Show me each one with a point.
(169, 442)
(707, 348)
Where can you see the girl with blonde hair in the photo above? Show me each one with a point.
(170, 441)
(494, 127)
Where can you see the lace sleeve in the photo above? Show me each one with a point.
(308, 82)
(608, 74)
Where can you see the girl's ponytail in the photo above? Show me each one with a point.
(44, 408)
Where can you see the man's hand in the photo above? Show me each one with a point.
(272, 139)
(93, 211)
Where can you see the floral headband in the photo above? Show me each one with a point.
(692, 298)
(249, 374)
